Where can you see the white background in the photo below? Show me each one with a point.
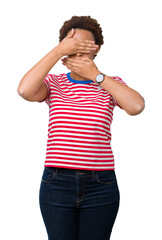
(132, 50)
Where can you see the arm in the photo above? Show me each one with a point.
(128, 99)
(33, 79)
(32, 87)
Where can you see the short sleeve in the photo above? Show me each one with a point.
(46, 80)
(118, 79)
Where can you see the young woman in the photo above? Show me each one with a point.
(79, 195)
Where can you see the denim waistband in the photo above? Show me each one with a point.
(74, 171)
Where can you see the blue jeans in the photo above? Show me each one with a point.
(78, 204)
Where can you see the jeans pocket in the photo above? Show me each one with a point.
(106, 177)
(48, 175)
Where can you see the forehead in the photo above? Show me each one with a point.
(83, 34)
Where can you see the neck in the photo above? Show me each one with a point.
(76, 76)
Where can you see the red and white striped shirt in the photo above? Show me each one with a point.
(80, 115)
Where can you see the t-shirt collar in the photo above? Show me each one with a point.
(78, 81)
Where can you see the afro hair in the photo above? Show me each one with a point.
(82, 22)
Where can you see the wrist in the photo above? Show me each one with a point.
(95, 73)
(58, 51)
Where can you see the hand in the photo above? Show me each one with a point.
(70, 45)
(83, 66)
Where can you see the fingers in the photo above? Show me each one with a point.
(74, 63)
(86, 41)
(86, 46)
(71, 33)
(78, 45)
(86, 59)
(86, 49)
(71, 66)
(77, 61)
(70, 62)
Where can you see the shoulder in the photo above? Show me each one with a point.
(118, 79)
(55, 77)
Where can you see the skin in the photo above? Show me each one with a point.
(31, 86)
(84, 35)
(80, 46)
(83, 67)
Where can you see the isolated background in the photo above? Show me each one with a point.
(132, 51)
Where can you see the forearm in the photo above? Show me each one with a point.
(129, 99)
(32, 80)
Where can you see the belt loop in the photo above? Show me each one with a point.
(56, 172)
(94, 174)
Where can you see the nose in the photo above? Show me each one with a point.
(79, 54)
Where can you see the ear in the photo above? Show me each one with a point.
(97, 50)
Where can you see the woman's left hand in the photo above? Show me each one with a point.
(83, 66)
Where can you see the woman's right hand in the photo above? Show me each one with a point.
(70, 45)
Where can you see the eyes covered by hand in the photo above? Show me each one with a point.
(81, 61)
(77, 42)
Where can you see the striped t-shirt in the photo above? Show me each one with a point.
(80, 115)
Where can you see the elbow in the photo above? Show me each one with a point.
(20, 91)
(137, 109)
(23, 94)
(141, 107)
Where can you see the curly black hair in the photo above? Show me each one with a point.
(82, 22)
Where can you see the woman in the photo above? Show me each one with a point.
(79, 195)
